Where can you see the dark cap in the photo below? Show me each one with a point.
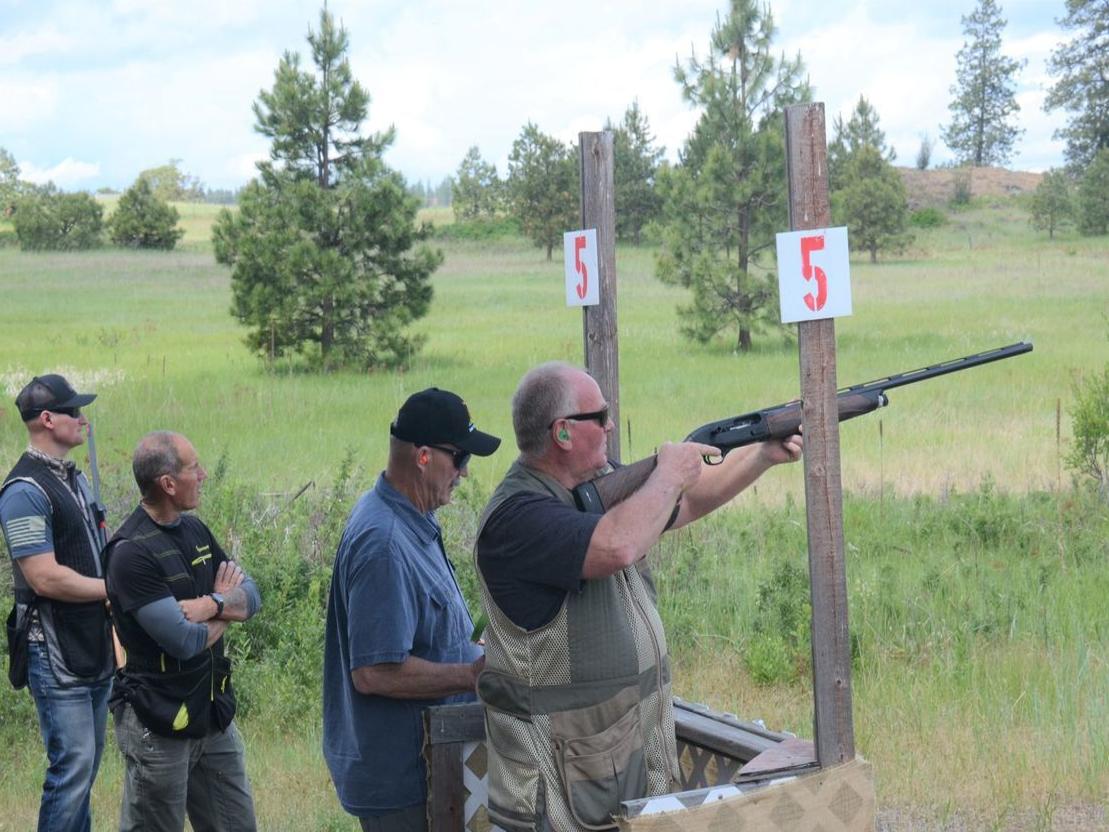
(49, 392)
(434, 416)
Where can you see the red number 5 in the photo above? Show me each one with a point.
(808, 246)
(583, 286)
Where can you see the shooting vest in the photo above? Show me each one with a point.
(173, 697)
(77, 634)
(578, 713)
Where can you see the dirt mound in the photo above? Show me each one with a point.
(937, 187)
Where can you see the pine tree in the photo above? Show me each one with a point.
(10, 185)
(321, 249)
(478, 193)
(861, 130)
(142, 220)
(1093, 196)
(982, 131)
(1052, 202)
(543, 187)
(635, 160)
(727, 198)
(1082, 66)
(873, 204)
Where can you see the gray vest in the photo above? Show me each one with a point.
(578, 713)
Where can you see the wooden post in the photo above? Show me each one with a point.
(598, 210)
(806, 165)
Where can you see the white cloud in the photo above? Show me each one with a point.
(46, 41)
(67, 174)
(25, 102)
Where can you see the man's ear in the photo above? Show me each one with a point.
(168, 484)
(561, 436)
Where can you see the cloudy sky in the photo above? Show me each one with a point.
(93, 92)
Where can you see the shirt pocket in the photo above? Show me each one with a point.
(445, 626)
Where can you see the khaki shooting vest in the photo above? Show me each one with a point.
(578, 713)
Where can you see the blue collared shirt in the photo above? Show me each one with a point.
(393, 595)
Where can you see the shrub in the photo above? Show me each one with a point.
(48, 220)
(928, 218)
(961, 188)
(1089, 453)
(142, 220)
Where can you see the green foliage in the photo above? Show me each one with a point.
(543, 187)
(780, 650)
(727, 198)
(1081, 89)
(476, 192)
(635, 160)
(1093, 196)
(924, 155)
(873, 204)
(321, 249)
(46, 219)
(984, 106)
(1052, 204)
(142, 220)
(927, 218)
(861, 130)
(1089, 452)
(481, 229)
(169, 183)
(11, 188)
(961, 187)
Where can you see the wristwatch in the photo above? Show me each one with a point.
(218, 598)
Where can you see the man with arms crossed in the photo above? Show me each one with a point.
(398, 632)
(174, 593)
(55, 537)
(576, 687)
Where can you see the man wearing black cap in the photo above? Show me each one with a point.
(55, 536)
(398, 631)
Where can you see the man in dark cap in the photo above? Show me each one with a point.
(55, 536)
(398, 632)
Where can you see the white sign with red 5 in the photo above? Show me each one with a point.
(582, 278)
(814, 274)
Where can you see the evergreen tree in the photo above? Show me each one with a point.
(924, 155)
(873, 204)
(543, 187)
(728, 197)
(982, 129)
(1093, 196)
(861, 130)
(321, 249)
(635, 161)
(478, 193)
(1082, 67)
(169, 183)
(1052, 202)
(142, 220)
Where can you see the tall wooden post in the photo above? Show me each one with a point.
(598, 210)
(807, 167)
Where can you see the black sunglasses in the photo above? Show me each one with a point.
(598, 416)
(460, 458)
(71, 412)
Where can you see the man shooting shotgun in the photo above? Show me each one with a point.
(775, 423)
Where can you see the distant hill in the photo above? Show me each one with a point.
(936, 187)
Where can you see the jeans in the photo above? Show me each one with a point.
(168, 776)
(72, 722)
(413, 819)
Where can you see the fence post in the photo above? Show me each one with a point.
(807, 170)
(598, 210)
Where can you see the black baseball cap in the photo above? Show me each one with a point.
(434, 416)
(49, 392)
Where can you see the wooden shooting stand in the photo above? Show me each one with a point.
(734, 775)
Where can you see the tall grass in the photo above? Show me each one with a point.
(976, 574)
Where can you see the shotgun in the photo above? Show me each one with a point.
(780, 422)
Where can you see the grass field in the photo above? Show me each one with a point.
(977, 576)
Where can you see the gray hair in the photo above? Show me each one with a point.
(155, 456)
(543, 395)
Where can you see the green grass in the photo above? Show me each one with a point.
(977, 577)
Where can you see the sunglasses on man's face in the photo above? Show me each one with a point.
(598, 416)
(71, 412)
(460, 458)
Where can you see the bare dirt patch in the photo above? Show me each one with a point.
(937, 187)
